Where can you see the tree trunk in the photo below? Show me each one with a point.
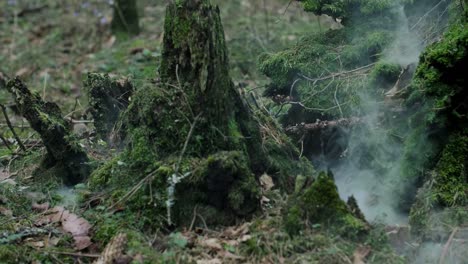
(125, 19)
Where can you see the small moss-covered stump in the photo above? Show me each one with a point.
(107, 98)
(63, 150)
(320, 205)
(125, 20)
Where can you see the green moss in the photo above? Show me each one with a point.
(320, 204)
(385, 73)
(100, 177)
(451, 184)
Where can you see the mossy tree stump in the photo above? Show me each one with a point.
(194, 136)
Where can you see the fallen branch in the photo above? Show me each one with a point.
(31, 10)
(46, 119)
(5, 142)
(319, 125)
(334, 75)
(447, 246)
(7, 119)
(3, 80)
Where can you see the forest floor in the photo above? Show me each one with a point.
(52, 45)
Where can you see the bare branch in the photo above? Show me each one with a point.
(319, 125)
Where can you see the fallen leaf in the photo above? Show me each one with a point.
(360, 254)
(53, 241)
(77, 226)
(245, 238)
(267, 182)
(82, 242)
(209, 261)
(229, 255)
(212, 244)
(36, 244)
(22, 72)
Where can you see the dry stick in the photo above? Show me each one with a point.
(447, 246)
(192, 128)
(7, 119)
(74, 254)
(336, 74)
(5, 142)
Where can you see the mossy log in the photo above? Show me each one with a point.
(107, 98)
(63, 150)
(125, 19)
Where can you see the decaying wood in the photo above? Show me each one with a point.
(319, 125)
(64, 152)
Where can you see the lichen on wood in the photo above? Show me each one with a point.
(64, 152)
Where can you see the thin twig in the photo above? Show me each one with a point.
(84, 255)
(447, 246)
(335, 74)
(192, 128)
(7, 119)
(5, 142)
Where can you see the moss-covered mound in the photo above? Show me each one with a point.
(320, 205)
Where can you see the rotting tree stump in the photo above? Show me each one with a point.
(200, 145)
(63, 151)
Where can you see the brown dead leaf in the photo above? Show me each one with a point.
(267, 182)
(77, 226)
(235, 232)
(245, 238)
(212, 244)
(23, 72)
(360, 254)
(229, 255)
(209, 261)
(53, 241)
